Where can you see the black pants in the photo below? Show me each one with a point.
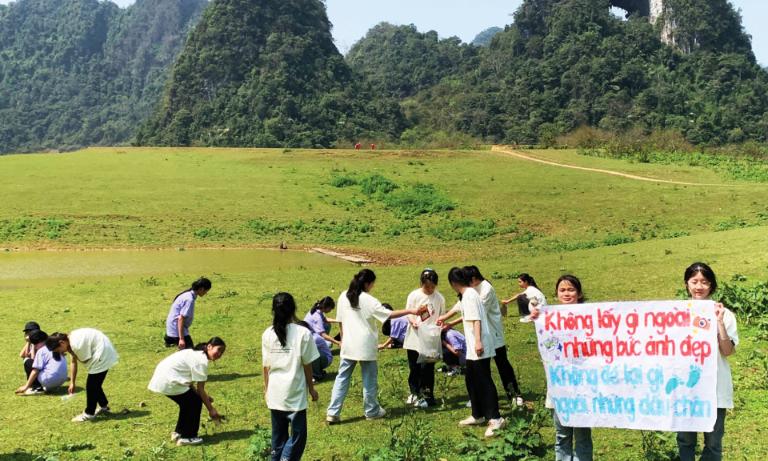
(482, 390)
(190, 404)
(450, 359)
(421, 379)
(171, 341)
(507, 373)
(28, 370)
(94, 394)
(522, 305)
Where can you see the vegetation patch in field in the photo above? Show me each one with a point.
(469, 229)
(335, 231)
(744, 165)
(33, 228)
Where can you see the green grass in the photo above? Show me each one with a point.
(243, 197)
(624, 239)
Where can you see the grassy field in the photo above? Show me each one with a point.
(625, 239)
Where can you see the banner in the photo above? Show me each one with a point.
(634, 365)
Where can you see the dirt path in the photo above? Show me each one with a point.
(520, 155)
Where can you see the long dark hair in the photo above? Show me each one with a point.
(528, 279)
(573, 280)
(705, 271)
(357, 286)
(323, 303)
(52, 342)
(473, 272)
(201, 283)
(386, 327)
(459, 276)
(215, 341)
(284, 313)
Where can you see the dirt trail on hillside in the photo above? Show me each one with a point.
(517, 154)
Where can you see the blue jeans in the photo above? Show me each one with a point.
(565, 437)
(713, 442)
(285, 447)
(370, 371)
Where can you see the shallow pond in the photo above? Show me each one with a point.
(24, 268)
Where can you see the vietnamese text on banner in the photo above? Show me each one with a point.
(635, 365)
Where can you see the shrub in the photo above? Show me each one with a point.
(377, 184)
(417, 200)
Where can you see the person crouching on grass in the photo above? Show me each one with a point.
(480, 350)
(46, 371)
(181, 377)
(287, 352)
(182, 313)
(96, 351)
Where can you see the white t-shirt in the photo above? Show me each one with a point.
(175, 374)
(287, 390)
(472, 309)
(493, 311)
(94, 349)
(435, 306)
(360, 338)
(724, 380)
(534, 293)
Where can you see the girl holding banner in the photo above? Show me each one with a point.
(700, 281)
(571, 443)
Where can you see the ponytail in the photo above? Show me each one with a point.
(215, 341)
(284, 312)
(201, 283)
(528, 279)
(357, 286)
(323, 303)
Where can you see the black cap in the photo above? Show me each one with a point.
(29, 326)
(37, 336)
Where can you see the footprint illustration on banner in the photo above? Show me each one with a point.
(672, 384)
(694, 376)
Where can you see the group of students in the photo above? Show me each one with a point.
(291, 357)
(296, 353)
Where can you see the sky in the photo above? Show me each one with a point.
(466, 18)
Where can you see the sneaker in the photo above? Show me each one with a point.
(33, 391)
(421, 403)
(519, 401)
(190, 441)
(330, 419)
(468, 404)
(83, 417)
(471, 421)
(494, 425)
(175, 436)
(103, 411)
(453, 372)
(412, 399)
(526, 319)
(380, 414)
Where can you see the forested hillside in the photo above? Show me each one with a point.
(400, 61)
(568, 63)
(267, 74)
(84, 72)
